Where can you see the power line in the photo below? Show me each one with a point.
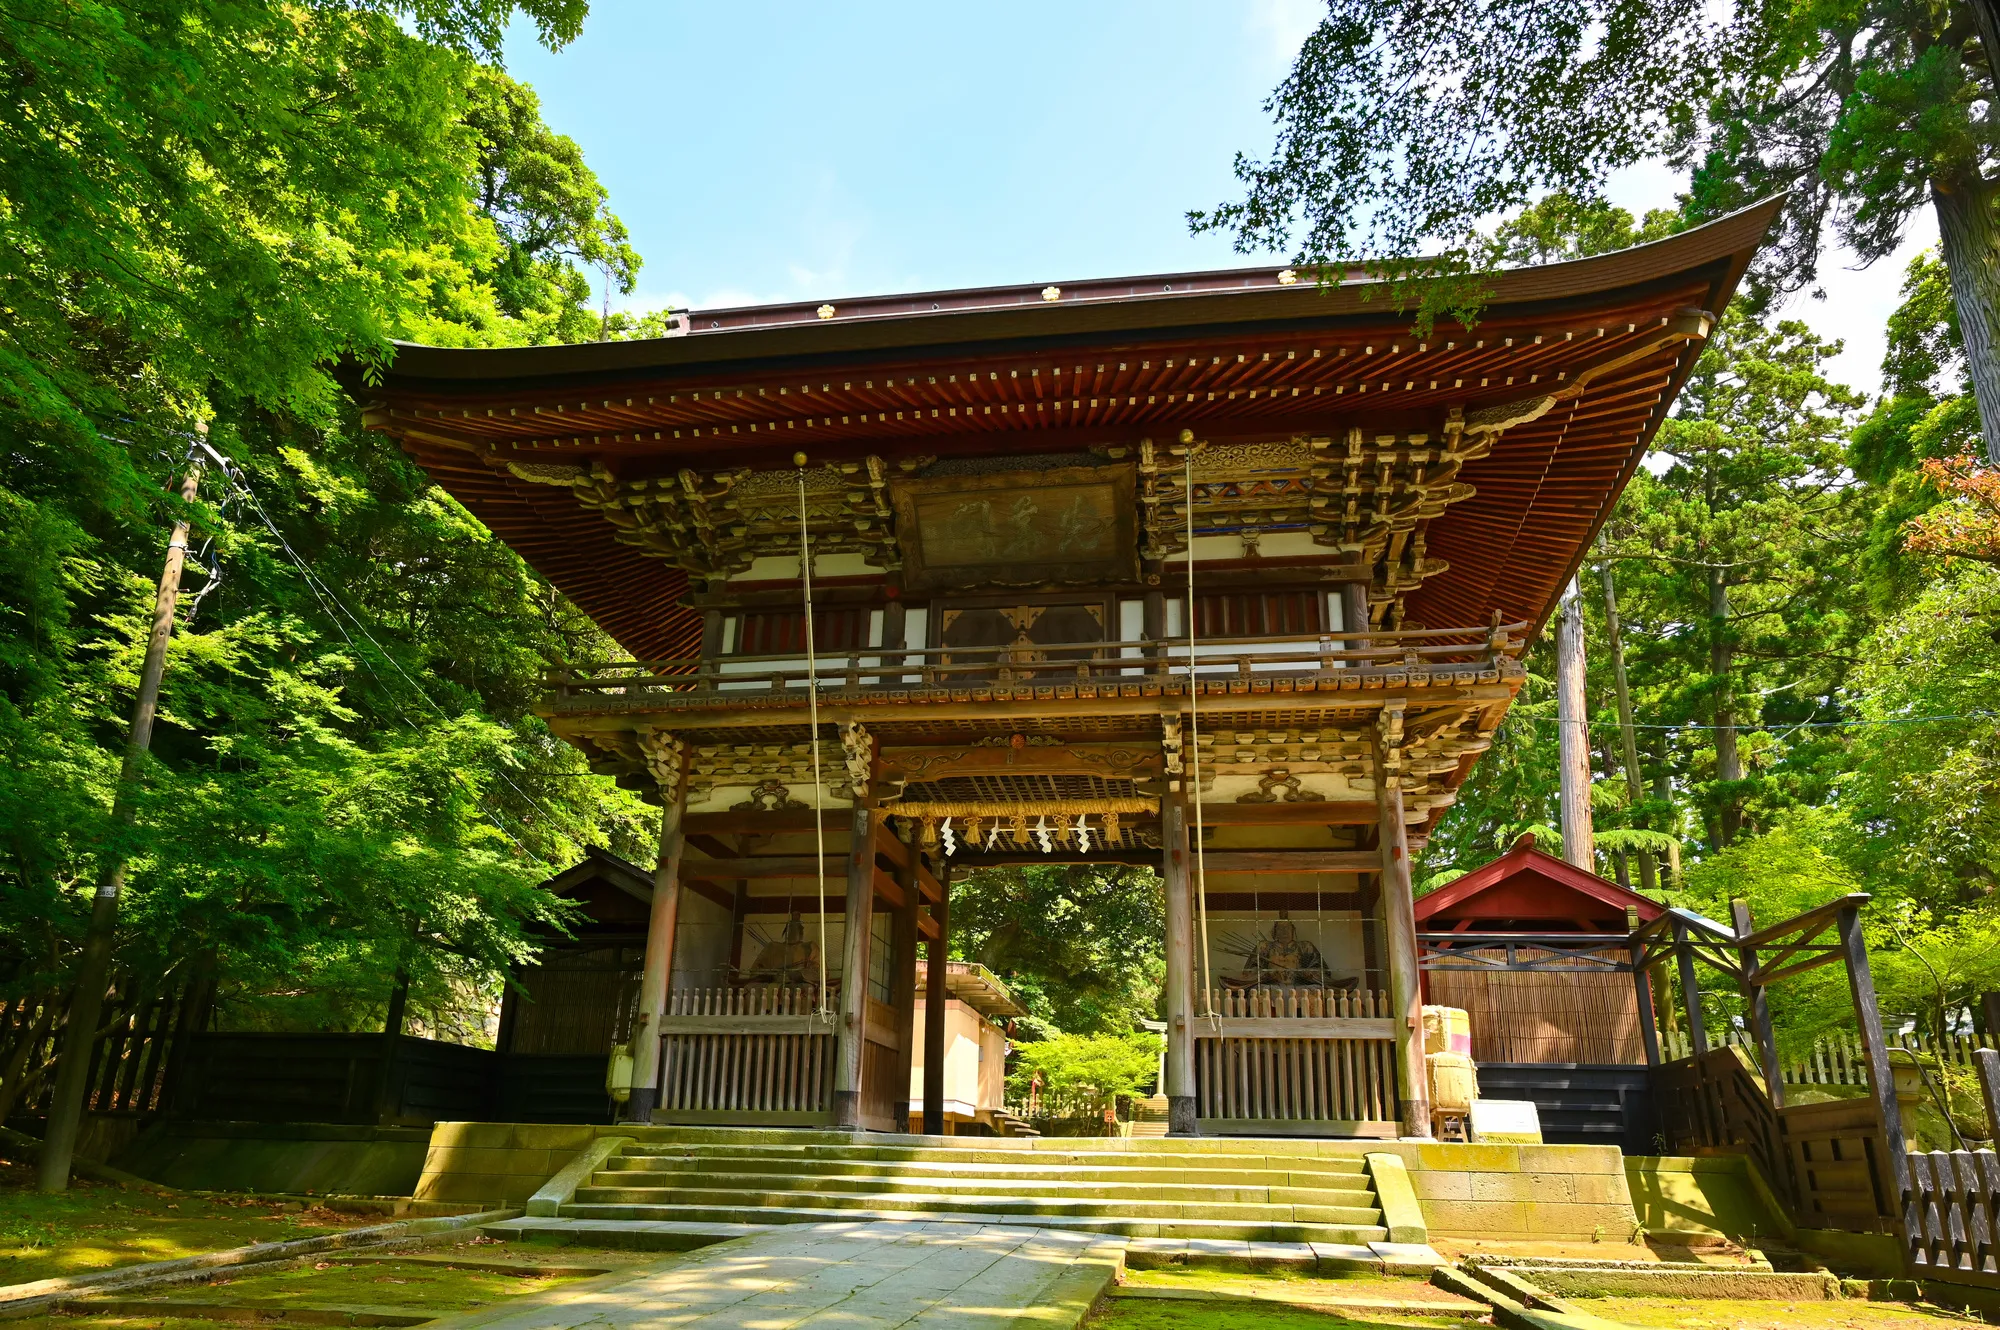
(1798, 725)
(322, 594)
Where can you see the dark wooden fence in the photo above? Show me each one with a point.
(368, 1078)
(1582, 1103)
(132, 1064)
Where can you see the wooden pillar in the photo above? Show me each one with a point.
(853, 1032)
(1690, 991)
(1399, 939)
(1875, 1048)
(1372, 978)
(1760, 1006)
(1177, 870)
(1986, 1062)
(936, 995)
(1642, 993)
(903, 980)
(388, 1095)
(739, 914)
(1354, 613)
(895, 629)
(656, 978)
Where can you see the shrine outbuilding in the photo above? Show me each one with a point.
(1518, 944)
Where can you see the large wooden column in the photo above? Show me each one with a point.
(903, 980)
(1176, 869)
(670, 769)
(1399, 936)
(853, 1032)
(936, 995)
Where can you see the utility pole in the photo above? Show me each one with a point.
(86, 1004)
(1628, 734)
(1573, 724)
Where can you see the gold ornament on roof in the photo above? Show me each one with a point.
(825, 311)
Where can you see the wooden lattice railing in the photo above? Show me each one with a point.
(1954, 1216)
(763, 1049)
(749, 1000)
(1414, 657)
(1827, 1162)
(1315, 1057)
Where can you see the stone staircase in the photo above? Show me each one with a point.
(1265, 1191)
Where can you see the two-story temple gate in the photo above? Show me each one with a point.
(1225, 575)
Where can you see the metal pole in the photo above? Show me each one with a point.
(93, 971)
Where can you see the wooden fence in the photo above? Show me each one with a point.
(760, 1053)
(1828, 1163)
(1296, 1060)
(131, 1063)
(1839, 1060)
(1954, 1216)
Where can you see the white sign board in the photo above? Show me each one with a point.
(1506, 1122)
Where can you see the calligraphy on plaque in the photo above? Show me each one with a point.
(1068, 526)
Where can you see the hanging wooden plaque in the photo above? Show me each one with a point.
(1062, 527)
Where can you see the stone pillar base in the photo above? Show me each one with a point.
(639, 1108)
(1181, 1117)
(847, 1110)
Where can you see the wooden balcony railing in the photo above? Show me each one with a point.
(1300, 1059)
(1443, 655)
(759, 1053)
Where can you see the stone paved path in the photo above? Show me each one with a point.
(838, 1276)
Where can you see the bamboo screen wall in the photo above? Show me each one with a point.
(1553, 1015)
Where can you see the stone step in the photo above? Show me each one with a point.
(647, 1173)
(1309, 1173)
(1042, 1156)
(601, 1202)
(1141, 1225)
(804, 1138)
(622, 1186)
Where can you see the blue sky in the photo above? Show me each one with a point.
(765, 150)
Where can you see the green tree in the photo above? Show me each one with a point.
(1734, 559)
(1082, 1076)
(553, 216)
(1404, 123)
(1081, 945)
(205, 207)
